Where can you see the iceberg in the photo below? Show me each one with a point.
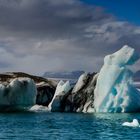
(61, 90)
(38, 108)
(115, 91)
(80, 83)
(134, 123)
(82, 96)
(19, 93)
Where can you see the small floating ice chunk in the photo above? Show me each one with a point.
(39, 108)
(134, 123)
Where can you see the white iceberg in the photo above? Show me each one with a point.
(114, 91)
(38, 108)
(20, 92)
(61, 89)
(134, 123)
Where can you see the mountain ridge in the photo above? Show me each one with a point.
(64, 75)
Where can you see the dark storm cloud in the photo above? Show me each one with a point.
(49, 18)
(40, 35)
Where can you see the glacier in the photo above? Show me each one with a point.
(115, 91)
(62, 89)
(18, 93)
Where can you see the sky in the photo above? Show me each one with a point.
(65, 35)
(126, 10)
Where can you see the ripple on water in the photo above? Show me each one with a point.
(67, 126)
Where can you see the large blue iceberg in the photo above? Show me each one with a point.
(114, 91)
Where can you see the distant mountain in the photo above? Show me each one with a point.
(63, 75)
(76, 75)
(137, 76)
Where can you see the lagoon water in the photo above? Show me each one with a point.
(67, 126)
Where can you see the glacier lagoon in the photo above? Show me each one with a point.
(111, 90)
(116, 94)
(67, 126)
